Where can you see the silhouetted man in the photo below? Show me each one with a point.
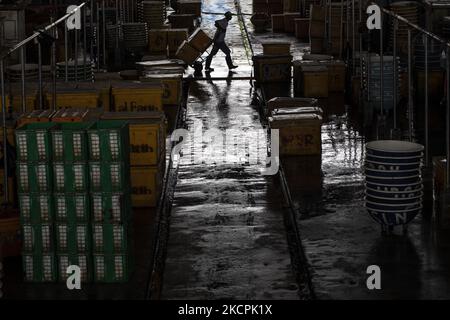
(219, 43)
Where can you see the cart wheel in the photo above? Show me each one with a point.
(198, 66)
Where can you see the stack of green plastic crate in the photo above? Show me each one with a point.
(34, 179)
(110, 191)
(71, 198)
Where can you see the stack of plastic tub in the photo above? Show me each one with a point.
(393, 181)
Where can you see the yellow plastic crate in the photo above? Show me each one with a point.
(137, 96)
(146, 184)
(147, 136)
(171, 84)
(74, 100)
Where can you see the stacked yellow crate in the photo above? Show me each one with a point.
(136, 96)
(69, 95)
(147, 154)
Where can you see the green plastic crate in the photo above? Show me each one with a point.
(34, 178)
(70, 177)
(73, 238)
(110, 268)
(109, 141)
(38, 237)
(36, 208)
(40, 267)
(111, 238)
(70, 142)
(33, 142)
(109, 177)
(111, 207)
(84, 261)
(72, 208)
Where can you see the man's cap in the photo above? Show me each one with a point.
(228, 14)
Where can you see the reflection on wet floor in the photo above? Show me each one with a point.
(227, 237)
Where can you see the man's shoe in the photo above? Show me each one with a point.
(232, 67)
(209, 69)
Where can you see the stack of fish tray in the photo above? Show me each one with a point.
(393, 181)
(410, 10)
(35, 185)
(76, 71)
(110, 196)
(135, 36)
(14, 72)
(153, 13)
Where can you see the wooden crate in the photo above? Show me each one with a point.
(336, 75)
(276, 48)
(310, 81)
(157, 41)
(301, 28)
(300, 134)
(277, 23)
(289, 21)
(318, 12)
(175, 38)
(187, 53)
(200, 41)
(316, 29)
(272, 68)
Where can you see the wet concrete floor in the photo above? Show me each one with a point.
(227, 238)
(339, 237)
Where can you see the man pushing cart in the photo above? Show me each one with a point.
(190, 51)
